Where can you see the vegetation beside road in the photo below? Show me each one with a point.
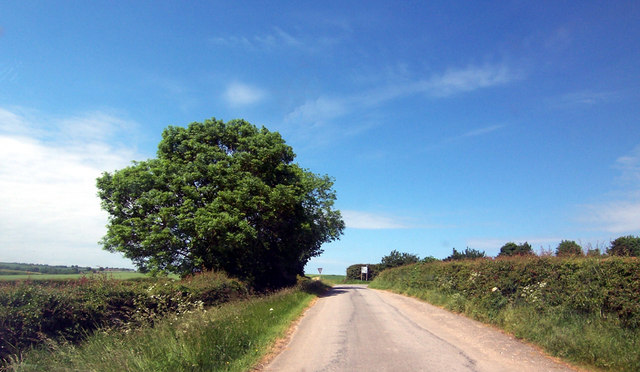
(230, 337)
(586, 310)
(332, 280)
(39, 312)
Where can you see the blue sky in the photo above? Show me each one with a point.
(445, 124)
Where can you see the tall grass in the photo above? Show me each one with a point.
(232, 337)
(37, 312)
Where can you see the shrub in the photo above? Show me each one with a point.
(354, 271)
(32, 312)
(429, 259)
(605, 288)
(468, 254)
(513, 249)
(625, 246)
(568, 248)
(395, 259)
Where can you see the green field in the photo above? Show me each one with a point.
(111, 274)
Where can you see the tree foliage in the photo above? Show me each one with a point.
(513, 249)
(220, 196)
(395, 259)
(429, 259)
(625, 246)
(568, 248)
(468, 254)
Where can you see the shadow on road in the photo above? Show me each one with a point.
(338, 290)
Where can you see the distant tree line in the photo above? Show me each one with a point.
(625, 246)
(44, 269)
(52, 269)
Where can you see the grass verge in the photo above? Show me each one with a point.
(232, 337)
(585, 340)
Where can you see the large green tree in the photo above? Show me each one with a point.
(625, 246)
(223, 196)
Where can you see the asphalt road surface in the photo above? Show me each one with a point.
(354, 328)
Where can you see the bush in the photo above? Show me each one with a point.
(513, 249)
(468, 254)
(32, 312)
(354, 271)
(568, 248)
(605, 288)
(395, 259)
(429, 259)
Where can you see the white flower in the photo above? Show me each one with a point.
(271, 309)
(494, 289)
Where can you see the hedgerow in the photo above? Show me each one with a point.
(354, 272)
(606, 288)
(32, 312)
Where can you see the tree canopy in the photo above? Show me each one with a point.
(467, 254)
(224, 196)
(625, 246)
(513, 249)
(395, 259)
(568, 248)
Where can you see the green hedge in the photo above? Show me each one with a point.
(604, 287)
(354, 271)
(33, 311)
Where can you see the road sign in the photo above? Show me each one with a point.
(364, 270)
(320, 270)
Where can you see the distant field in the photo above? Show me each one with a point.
(37, 276)
(17, 272)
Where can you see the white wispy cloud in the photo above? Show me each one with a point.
(319, 111)
(468, 79)
(365, 220)
(623, 214)
(50, 212)
(9, 120)
(483, 131)
(629, 165)
(279, 37)
(239, 94)
(275, 39)
(584, 98)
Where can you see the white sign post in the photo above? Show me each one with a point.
(364, 270)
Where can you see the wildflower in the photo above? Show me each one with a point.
(494, 289)
(271, 309)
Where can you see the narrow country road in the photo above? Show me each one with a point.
(354, 328)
